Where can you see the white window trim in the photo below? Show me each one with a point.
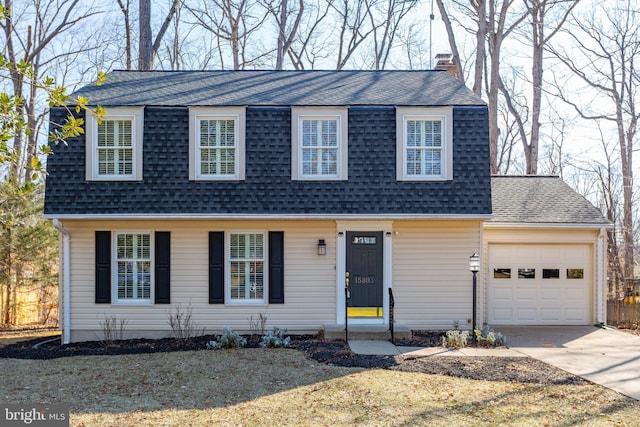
(443, 114)
(114, 269)
(137, 129)
(227, 269)
(222, 113)
(302, 113)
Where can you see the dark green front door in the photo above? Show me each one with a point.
(364, 265)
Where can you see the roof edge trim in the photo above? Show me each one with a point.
(266, 217)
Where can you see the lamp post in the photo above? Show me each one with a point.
(474, 267)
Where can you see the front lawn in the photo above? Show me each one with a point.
(281, 387)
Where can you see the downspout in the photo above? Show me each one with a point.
(66, 281)
(601, 272)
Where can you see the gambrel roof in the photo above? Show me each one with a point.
(267, 98)
(280, 88)
(540, 199)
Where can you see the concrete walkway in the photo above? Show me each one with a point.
(606, 357)
(385, 348)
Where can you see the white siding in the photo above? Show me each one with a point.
(309, 278)
(432, 284)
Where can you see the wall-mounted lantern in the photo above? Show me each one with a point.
(322, 247)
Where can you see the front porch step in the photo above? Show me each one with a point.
(367, 332)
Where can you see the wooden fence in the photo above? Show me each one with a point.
(624, 314)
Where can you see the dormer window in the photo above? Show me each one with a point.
(319, 144)
(425, 144)
(114, 145)
(216, 143)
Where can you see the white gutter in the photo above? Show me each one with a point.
(545, 225)
(66, 281)
(601, 273)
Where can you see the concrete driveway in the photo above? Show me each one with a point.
(607, 357)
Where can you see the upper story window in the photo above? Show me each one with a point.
(114, 145)
(132, 277)
(424, 144)
(319, 144)
(216, 143)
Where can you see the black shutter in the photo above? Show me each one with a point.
(163, 267)
(276, 267)
(216, 267)
(103, 267)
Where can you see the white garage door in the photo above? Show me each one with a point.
(539, 284)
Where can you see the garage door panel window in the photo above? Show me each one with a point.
(526, 273)
(575, 273)
(550, 273)
(502, 273)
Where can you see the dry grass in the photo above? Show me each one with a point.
(256, 387)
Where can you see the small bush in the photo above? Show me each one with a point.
(258, 325)
(455, 339)
(275, 338)
(228, 339)
(488, 337)
(112, 330)
(181, 323)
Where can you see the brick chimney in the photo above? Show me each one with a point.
(444, 61)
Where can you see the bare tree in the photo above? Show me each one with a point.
(604, 54)
(287, 20)
(494, 21)
(148, 46)
(453, 44)
(307, 48)
(125, 9)
(28, 34)
(232, 22)
(385, 17)
(352, 15)
(540, 12)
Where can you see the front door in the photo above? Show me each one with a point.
(364, 265)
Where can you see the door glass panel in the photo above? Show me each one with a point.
(502, 273)
(550, 273)
(362, 240)
(526, 273)
(575, 273)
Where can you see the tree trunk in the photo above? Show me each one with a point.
(531, 149)
(127, 31)
(481, 39)
(6, 316)
(145, 46)
(627, 210)
(452, 41)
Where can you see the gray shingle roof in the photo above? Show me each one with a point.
(540, 199)
(372, 188)
(285, 88)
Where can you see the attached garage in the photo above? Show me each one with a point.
(545, 252)
(540, 284)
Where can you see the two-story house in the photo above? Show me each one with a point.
(260, 192)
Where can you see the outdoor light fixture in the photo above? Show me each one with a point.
(474, 267)
(322, 247)
(474, 262)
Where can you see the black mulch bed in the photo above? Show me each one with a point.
(338, 353)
